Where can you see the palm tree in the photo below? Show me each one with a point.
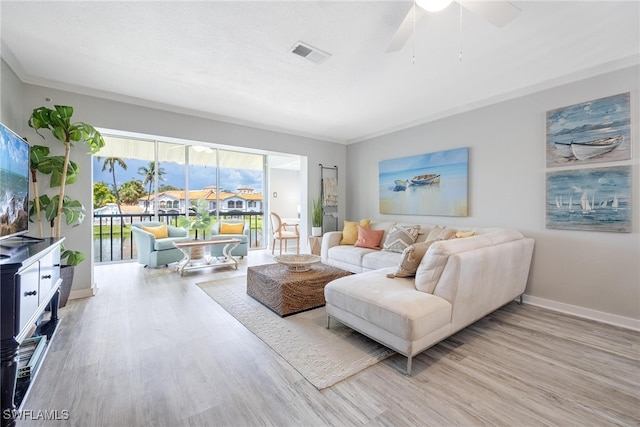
(131, 191)
(149, 173)
(110, 163)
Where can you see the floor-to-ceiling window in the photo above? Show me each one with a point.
(139, 179)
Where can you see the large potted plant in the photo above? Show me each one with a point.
(62, 172)
(316, 217)
(199, 221)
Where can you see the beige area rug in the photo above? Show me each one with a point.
(323, 356)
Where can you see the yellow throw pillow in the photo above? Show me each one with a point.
(160, 231)
(231, 228)
(350, 231)
(462, 234)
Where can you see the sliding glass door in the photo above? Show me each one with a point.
(139, 179)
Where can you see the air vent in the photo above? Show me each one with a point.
(309, 52)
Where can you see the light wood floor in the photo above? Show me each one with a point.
(152, 349)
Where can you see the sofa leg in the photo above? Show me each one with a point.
(409, 366)
(520, 300)
(328, 322)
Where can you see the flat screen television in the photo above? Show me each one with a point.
(14, 184)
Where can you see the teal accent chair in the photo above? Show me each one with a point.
(154, 252)
(242, 249)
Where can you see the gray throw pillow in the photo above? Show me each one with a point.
(400, 237)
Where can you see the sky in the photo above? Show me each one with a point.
(15, 153)
(200, 176)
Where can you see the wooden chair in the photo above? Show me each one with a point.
(282, 231)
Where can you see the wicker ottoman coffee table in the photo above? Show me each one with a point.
(289, 292)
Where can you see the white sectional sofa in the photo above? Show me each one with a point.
(457, 282)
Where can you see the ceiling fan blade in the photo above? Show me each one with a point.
(499, 13)
(405, 29)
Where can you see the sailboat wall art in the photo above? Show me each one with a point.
(597, 199)
(591, 132)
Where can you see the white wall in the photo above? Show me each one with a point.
(595, 271)
(11, 100)
(115, 115)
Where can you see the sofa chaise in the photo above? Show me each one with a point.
(411, 300)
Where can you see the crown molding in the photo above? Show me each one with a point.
(586, 73)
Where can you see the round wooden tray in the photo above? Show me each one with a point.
(297, 263)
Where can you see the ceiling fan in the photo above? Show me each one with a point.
(497, 12)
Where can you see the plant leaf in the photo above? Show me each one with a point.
(64, 111)
(76, 132)
(73, 211)
(39, 119)
(44, 202)
(59, 133)
(92, 138)
(51, 209)
(72, 257)
(37, 155)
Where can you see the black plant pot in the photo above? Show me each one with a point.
(66, 274)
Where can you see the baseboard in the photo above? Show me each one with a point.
(83, 293)
(587, 313)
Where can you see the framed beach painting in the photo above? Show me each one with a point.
(595, 199)
(591, 132)
(427, 184)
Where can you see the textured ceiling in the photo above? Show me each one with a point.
(232, 60)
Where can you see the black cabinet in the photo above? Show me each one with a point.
(30, 270)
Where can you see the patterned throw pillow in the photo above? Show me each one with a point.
(368, 238)
(350, 231)
(411, 258)
(441, 233)
(400, 237)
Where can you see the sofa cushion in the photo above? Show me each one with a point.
(231, 227)
(167, 243)
(400, 237)
(435, 259)
(411, 258)
(350, 231)
(391, 304)
(369, 238)
(376, 260)
(349, 254)
(242, 237)
(160, 232)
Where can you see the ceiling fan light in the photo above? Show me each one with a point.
(433, 5)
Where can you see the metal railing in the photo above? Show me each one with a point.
(113, 241)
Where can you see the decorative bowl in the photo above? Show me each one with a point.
(301, 262)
